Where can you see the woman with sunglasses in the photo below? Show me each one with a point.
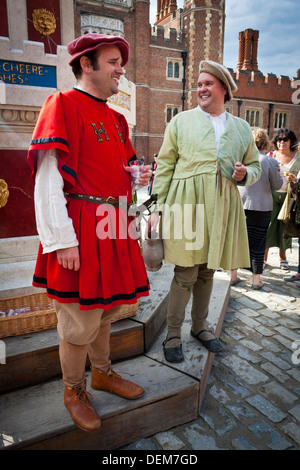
(285, 143)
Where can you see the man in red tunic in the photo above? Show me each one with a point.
(89, 259)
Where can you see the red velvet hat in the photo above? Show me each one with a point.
(89, 42)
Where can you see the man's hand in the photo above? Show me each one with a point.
(239, 172)
(153, 222)
(145, 173)
(69, 258)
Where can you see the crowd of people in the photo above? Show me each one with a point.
(265, 200)
(83, 162)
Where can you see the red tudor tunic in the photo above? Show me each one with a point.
(93, 147)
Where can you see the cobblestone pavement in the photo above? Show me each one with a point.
(252, 400)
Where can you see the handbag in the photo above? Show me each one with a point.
(292, 222)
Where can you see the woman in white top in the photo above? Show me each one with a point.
(286, 154)
(258, 205)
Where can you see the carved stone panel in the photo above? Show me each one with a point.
(91, 23)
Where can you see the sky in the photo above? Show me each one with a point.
(278, 22)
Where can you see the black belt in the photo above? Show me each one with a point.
(114, 201)
(97, 200)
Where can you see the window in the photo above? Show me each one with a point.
(172, 111)
(280, 119)
(253, 117)
(174, 69)
(229, 109)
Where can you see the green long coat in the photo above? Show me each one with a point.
(203, 217)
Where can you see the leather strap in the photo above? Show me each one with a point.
(114, 201)
(97, 200)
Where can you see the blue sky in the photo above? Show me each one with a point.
(278, 22)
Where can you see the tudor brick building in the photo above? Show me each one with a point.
(161, 77)
(263, 100)
(165, 58)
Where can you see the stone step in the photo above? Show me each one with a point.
(35, 417)
(17, 262)
(14, 250)
(18, 277)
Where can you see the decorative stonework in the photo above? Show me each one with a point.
(192, 64)
(221, 28)
(18, 116)
(207, 37)
(101, 24)
(16, 127)
(121, 99)
(4, 193)
(44, 21)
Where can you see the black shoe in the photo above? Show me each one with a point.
(173, 354)
(212, 345)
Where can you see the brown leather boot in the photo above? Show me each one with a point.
(113, 383)
(79, 406)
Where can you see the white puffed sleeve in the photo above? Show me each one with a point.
(54, 226)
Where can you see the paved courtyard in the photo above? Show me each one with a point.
(252, 400)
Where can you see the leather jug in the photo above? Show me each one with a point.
(153, 252)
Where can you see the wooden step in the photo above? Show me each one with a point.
(35, 417)
(33, 358)
(198, 360)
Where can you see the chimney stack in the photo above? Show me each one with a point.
(165, 8)
(248, 45)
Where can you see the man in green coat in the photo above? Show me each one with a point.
(205, 154)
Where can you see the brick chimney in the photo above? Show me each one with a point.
(248, 44)
(165, 8)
